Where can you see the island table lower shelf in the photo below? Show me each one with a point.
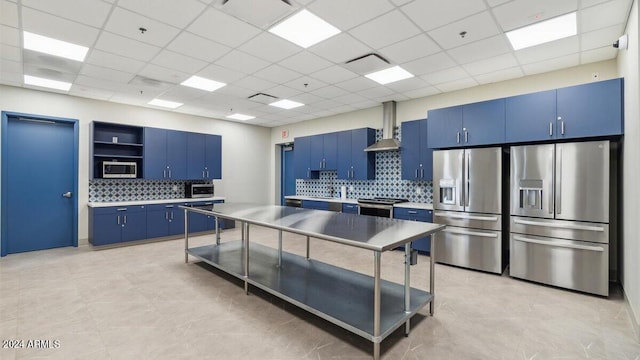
(338, 295)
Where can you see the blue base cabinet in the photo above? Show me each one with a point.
(116, 224)
(348, 208)
(164, 220)
(416, 156)
(314, 204)
(422, 245)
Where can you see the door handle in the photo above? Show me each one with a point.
(203, 173)
(467, 217)
(559, 226)
(559, 184)
(124, 222)
(207, 174)
(470, 233)
(416, 173)
(169, 173)
(551, 243)
(164, 173)
(562, 127)
(118, 219)
(67, 194)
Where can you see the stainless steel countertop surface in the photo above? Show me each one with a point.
(367, 232)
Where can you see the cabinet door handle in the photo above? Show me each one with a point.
(203, 173)
(171, 214)
(416, 173)
(124, 222)
(466, 136)
(166, 215)
(561, 127)
(121, 209)
(118, 219)
(422, 173)
(169, 173)
(164, 173)
(458, 137)
(550, 129)
(207, 174)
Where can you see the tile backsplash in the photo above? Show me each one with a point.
(388, 182)
(108, 190)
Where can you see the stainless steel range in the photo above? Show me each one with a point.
(382, 207)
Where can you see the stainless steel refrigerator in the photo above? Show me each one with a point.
(468, 198)
(559, 228)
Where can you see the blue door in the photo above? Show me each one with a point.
(39, 183)
(288, 176)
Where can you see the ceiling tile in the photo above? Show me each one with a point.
(48, 25)
(90, 92)
(106, 73)
(431, 14)
(11, 78)
(88, 12)
(306, 83)
(329, 92)
(519, 13)
(457, 85)
(198, 47)
(173, 60)
(305, 62)
(601, 38)
(604, 15)
(587, 3)
(480, 50)
(346, 14)
(48, 73)
(377, 33)
(492, 64)
(350, 98)
(405, 85)
(49, 64)
(493, 3)
(277, 74)
(176, 13)
(356, 84)
(8, 52)
(235, 91)
(439, 77)
(500, 75)
(429, 64)
(243, 62)
(9, 13)
(113, 61)
(10, 36)
(103, 84)
(254, 83)
(410, 49)
(552, 64)
(219, 73)
(283, 92)
(215, 25)
(9, 66)
(376, 92)
(600, 54)
(270, 47)
(127, 23)
(550, 50)
(400, 2)
(334, 74)
(423, 92)
(123, 46)
(477, 27)
(163, 74)
(340, 48)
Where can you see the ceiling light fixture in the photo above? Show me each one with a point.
(203, 83)
(389, 75)
(165, 103)
(242, 117)
(54, 47)
(304, 29)
(286, 104)
(47, 83)
(545, 31)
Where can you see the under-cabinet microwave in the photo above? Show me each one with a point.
(119, 169)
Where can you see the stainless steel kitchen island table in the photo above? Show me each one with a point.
(367, 306)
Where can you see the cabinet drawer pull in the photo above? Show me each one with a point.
(412, 212)
(551, 243)
(121, 209)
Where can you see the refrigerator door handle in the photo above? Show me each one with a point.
(471, 233)
(464, 177)
(559, 180)
(467, 217)
(550, 186)
(559, 226)
(466, 197)
(550, 243)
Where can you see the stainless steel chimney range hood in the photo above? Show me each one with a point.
(388, 143)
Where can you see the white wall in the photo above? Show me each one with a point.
(245, 159)
(629, 67)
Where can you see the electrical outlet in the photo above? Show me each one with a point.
(351, 188)
(595, 76)
(418, 190)
(175, 188)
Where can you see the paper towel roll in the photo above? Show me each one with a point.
(343, 192)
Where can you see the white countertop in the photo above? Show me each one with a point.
(150, 202)
(410, 205)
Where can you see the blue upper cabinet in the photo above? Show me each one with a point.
(444, 127)
(316, 152)
(483, 123)
(302, 158)
(155, 153)
(416, 156)
(353, 162)
(324, 151)
(213, 156)
(176, 154)
(594, 109)
(531, 117)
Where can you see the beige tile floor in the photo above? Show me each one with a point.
(144, 302)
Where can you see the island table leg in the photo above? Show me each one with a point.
(246, 258)
(186, 236)
(376, 305)
(407, 286)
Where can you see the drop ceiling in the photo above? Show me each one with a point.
(198, 37)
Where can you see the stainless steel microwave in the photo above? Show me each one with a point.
(119, 169)
(198, 190)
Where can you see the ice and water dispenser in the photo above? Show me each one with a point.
(531, 194)
(447, 191)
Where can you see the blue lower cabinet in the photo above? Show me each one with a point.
(198, 222)
(314, 204)
(422, 245)
(164, 220)
(349, 208)
(115, 224)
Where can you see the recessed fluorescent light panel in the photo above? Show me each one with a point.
(286, 104)
(545, 31)
(165, 103)
(202, 83)
(48, 83)
(55, 47)
(304, 29)
(241, 117)
(389, 75)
